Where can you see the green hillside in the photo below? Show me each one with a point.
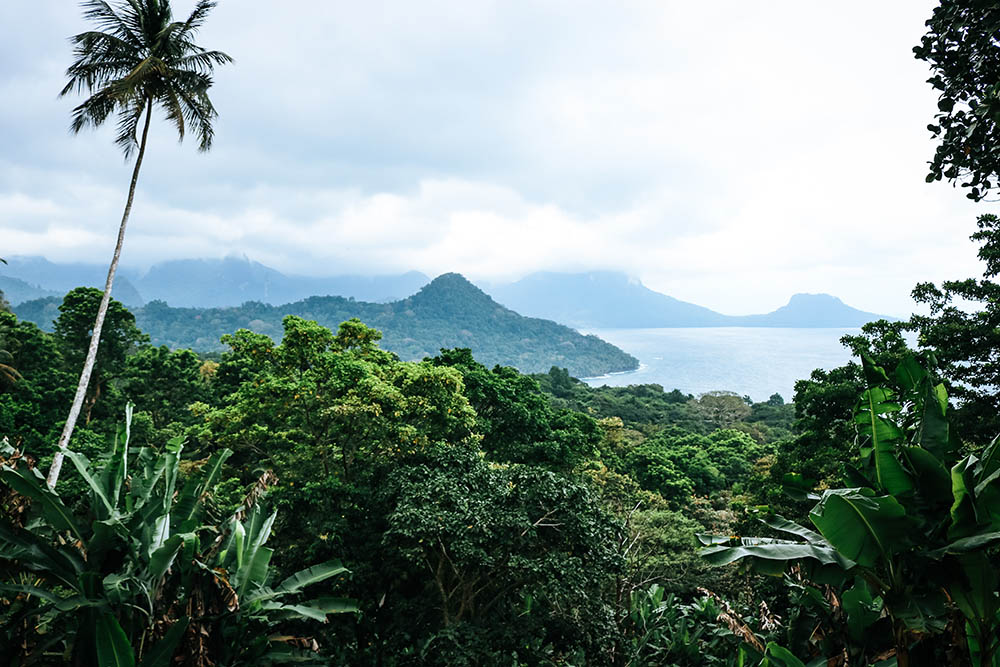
(448, 312)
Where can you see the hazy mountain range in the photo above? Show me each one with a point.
(583, 300)
(199, 283)
(609, 300)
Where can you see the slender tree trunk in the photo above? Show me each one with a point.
(95, 338)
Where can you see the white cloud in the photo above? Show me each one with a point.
(726, 153)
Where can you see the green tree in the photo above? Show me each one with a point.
(515, 418)
(961, 48)
(31, 408)
(913, 541)
(968, 342)
(8, 373)
(165, 382)
(119, 338)
(519, 553)
(146, 577)
(722, 408)
(137, 58)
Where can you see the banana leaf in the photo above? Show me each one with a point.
(860, 527)
(113, 647)
(31, 484)
(309, 576)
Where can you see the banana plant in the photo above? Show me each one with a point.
(916, 534)
(142, 580)
(260, 605)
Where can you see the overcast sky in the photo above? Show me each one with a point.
(726, 153)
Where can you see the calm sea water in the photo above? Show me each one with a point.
(748, 360)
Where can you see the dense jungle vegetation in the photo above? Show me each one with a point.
(448, 312)
(480, 518)
(320, 500)
(444, 512)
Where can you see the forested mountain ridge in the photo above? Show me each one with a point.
(609, 299)
(448, 312)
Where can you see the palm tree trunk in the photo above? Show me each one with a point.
(88, 365)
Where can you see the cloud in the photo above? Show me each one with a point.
(725, 153)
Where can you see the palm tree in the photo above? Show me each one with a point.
(137, 59)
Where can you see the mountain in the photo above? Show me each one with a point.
(18, 291)
(611, 300)
(447, 312)
(207, 283)
(600, 299)
(61, 278)
(811, 310)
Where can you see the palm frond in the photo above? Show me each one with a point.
(138, 55)
(101, 58)
(107, 19)
(128, 126)
(198, 109)
(197, 17)
(203, 62)
(175, 112)
(93, 111)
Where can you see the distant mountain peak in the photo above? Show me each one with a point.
(453, 287)
(807, 297)
(451, 279)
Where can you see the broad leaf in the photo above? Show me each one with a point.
(779, 656)
(884, 436)
(30, 485)
(162, 558)
(861, 527)
(781, 523)
(113, 648)
(312, 575)
(770, 550)
(930, 475)
(934, 431)
(161, 655)
(254, 572)
(82, 466)
(38, 555)
(862, 609)
(964, 514)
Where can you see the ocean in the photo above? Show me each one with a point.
(754, 361)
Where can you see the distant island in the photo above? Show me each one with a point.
(448, 312)
(611, 300)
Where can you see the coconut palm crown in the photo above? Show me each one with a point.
(137, 58)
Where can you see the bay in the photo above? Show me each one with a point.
(754, 361)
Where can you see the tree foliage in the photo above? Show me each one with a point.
(961, 48)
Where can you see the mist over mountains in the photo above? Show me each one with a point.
(597, 299)
(198, 283)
